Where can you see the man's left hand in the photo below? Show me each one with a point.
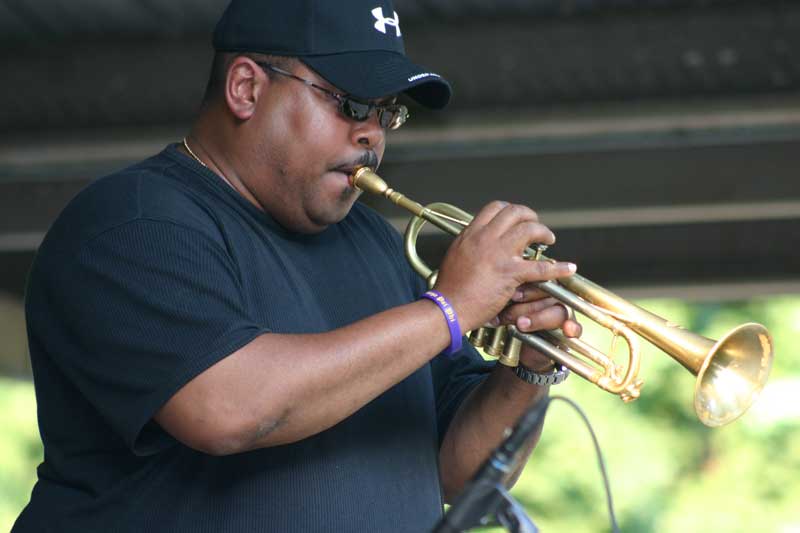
(533, 310)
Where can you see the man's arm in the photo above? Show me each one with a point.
(480, 423)
(282, 388)
(496, 404)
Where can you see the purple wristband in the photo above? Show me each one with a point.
(452, 320)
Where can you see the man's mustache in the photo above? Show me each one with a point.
(367, 159)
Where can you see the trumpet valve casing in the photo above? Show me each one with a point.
(477, 337)
(511, 349)
(496, 342)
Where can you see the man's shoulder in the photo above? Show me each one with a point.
(154, 189)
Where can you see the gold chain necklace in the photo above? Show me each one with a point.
(186, 145)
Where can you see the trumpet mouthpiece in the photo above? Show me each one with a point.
(365, 179)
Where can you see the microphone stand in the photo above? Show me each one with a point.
(486, 495)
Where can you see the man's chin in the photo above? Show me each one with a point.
(346, 202)
(337, 212)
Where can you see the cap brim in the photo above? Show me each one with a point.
(380, 73)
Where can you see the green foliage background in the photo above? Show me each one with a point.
(668, 472)
(20, 448)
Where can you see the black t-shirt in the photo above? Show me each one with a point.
(152, 275)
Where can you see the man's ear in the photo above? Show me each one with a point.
(243, 85)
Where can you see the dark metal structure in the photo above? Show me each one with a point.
(659, 138)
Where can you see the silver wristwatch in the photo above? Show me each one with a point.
(558, 375)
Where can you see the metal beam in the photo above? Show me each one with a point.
(495, 57)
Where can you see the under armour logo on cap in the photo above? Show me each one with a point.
(382, 21)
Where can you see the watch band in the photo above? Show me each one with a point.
(558, 375)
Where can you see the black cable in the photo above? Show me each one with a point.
(612, 516)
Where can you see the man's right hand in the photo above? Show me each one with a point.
(484, 267)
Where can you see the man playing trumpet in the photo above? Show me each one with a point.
(223, 340)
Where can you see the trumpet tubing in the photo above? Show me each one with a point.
(730, 372)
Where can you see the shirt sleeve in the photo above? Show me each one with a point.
(138, 312)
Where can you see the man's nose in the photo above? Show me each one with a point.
(369, 133)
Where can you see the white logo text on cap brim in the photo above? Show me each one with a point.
(416, 77)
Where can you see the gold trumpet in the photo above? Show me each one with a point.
(730, 372)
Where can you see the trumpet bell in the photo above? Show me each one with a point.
(732, 374)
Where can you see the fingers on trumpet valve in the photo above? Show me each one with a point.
(512, 225)
(537, 271)
(540, 314)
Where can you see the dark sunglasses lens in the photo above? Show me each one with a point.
(392, 117)
(355, 110)
(386, 118)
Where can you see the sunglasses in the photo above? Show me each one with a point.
(390, 116)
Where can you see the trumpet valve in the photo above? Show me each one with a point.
(535, 253)
(478, 337)
(496, 342)
(510, 355)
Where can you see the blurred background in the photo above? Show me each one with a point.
(660, 139)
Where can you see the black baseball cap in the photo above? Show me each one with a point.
(356, 45)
